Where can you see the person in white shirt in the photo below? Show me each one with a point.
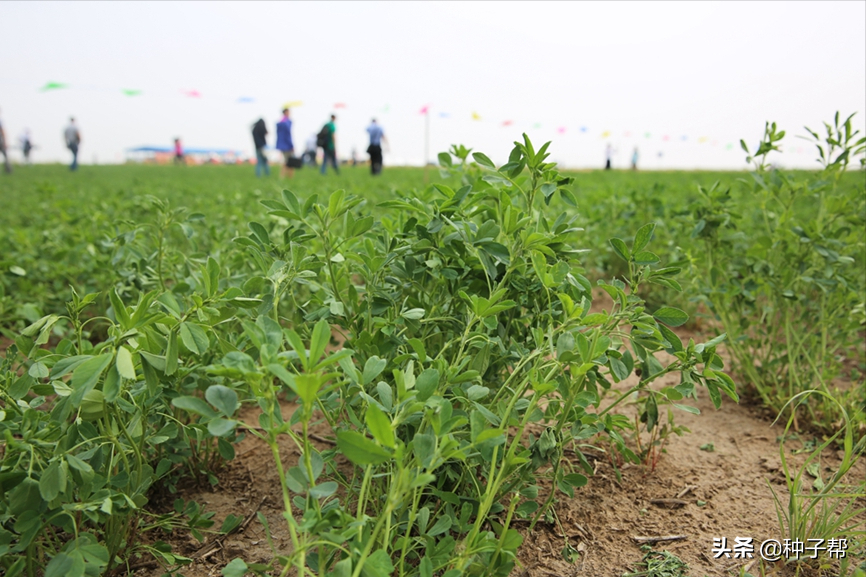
(73, 140)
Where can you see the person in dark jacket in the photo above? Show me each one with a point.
(260, 133)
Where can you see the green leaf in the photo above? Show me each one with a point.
(171, 354)
(360, 450)
(488, 434)
(323, 490)
(213, 274)
(120, 312)
(53, 480)
(645, 257)
(372, 369)
(687, 408)
(483, 160)
(671, 316)
(194, 405)
(427, 383)
(235, 568)
(86, 375)
(319, 340)
(125, 366)
(424, 447)
(38, 370)
(194, 338)
(620, 249)
(380, 426)
(342, 568)
(425, 567)
(442, 525)
(413, 314)
(378, 564)
(298, 346)
(575, 479)
(223, 398)
(280, 372)
(308, 387)
(63, 565)
(220, 427)
(418, 346)
(642, 237)
(564, 343)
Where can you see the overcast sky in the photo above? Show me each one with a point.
(702, 74)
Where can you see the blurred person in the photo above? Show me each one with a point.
(73, 140)
(377, 137)
(26, 145)
(260, 133)
(310, 150)
(608, 156)
(328, 141)
(178, 152)
(7, 167)
(634, 158)
(285, 144)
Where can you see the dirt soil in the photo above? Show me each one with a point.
(721, 492)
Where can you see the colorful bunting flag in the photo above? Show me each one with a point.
(647, 135)
(340, 105)
(561, 130)
(192, 93)
(537, 125)
(507, 123)
(583, 129)
(444, 115)
(53, 86)
(605, 134)
(245, 99)
(476, 116)
(293, 104)
(702, 139)
(425, 109)
(131, 92)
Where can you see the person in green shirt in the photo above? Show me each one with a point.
(329, 147)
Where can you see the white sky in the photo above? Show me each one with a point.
(700, 69)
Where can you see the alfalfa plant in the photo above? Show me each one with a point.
(786, 279)
(829, 509)
(472, 360)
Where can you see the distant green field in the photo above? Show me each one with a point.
(61, 228)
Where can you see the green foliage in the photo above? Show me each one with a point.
(828, 509)
(472, 357)
(783, 270)
(467, 325)
(659, 564)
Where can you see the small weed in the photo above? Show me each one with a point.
(659, 564)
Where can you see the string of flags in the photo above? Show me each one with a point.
(425, 110)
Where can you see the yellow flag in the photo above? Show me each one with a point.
(702, 139)
(476, 116)
(292, 104)
(605, 134)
